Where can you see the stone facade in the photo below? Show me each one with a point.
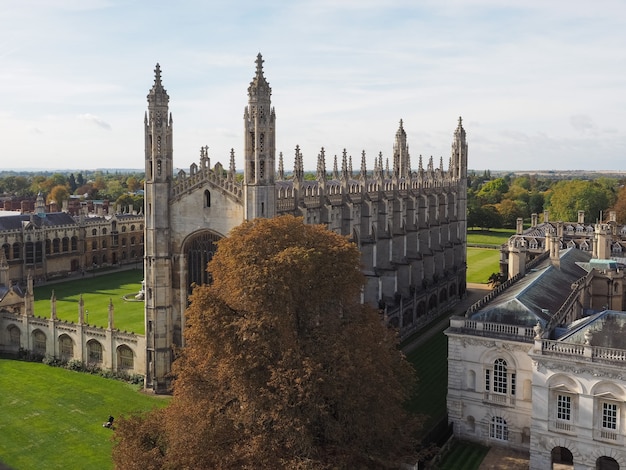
(57, 245)
(538, 365)
(43, 246)
(22, 331)
(409, 225)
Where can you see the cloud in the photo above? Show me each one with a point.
(582, 123)
(95, 120)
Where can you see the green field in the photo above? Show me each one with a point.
(494, 237)
(96, 292)
(52, 418)
(463, 456)
(431, 364)
(481, 263)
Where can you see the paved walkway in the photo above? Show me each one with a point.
(501, 458)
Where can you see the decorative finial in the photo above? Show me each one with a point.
(259, 64)
(157, 75)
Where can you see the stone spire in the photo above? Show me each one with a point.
(363, 174)
(158, 95)
(387, 172)
(378, 168)
(53, 306)
(321, 165)
(401, 164)
(111, 325)
(29, 298)
(232, 169)
(298, 167)
(459, 151)
(4, 269)
(345, 175)
(335, 169)
(281, 168)
(81, 310)
(259, 84)
(259, 149)
(350, 172)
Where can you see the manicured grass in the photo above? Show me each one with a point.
(96, 292)
(431, 364)
(52, 418)
(463, 456)
(495, 237)
(481, 263)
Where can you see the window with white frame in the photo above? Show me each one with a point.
(498, 379)
(609, 415)
(564, 407)
(498, 429)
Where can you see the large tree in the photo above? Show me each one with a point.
(283, 367)
(566, 198)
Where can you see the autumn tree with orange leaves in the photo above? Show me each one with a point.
(282, 368)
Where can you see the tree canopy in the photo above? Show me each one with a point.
(566, 198)
(283, 367)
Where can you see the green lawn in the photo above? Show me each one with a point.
(481, 263)
(494, 237)
(52, 418)
(463, 456)
(96, 292)
(431, 364)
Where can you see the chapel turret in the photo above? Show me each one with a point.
(259, 148)
(401, 161)
(459, 152)
(160, 327)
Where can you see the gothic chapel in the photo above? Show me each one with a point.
(410, 226)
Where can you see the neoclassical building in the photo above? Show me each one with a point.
(540, 364)
(410, 225)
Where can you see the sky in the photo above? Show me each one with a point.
(540, 85)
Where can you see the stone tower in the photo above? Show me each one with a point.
(157, 260)
(260, 148)
(401, 161)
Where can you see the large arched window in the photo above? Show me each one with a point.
(500, 380)
(125, 358)
(200, 250)
(14, 336)
(66, 347)
(94, 352)
(39, 341)
(500, 383)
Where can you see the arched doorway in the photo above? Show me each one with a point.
(562, 459)
(199, 250)
(606, 463)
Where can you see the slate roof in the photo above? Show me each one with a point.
(608, 328)
(13, 222)
(537, 295)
